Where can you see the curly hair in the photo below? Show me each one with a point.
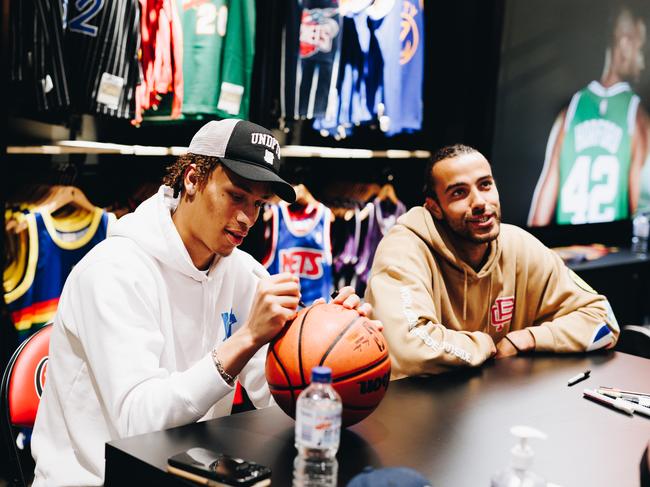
(175, 173)
(447, 152)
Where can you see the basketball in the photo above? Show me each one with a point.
(336, 337)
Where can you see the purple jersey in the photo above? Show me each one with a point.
(379, 222)
(346, 261)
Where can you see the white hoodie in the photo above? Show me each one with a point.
(130, 348)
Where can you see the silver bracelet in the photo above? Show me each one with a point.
(222, 372)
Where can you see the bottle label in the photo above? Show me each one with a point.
(319, 429)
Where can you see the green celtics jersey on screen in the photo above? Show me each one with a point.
(595, 156)
(218, 50)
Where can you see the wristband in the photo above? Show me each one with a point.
(512, 343)
(222, 372)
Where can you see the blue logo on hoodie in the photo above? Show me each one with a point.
(228, 320)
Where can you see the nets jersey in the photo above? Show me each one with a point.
(312, 39)
(53, 250)
(302, 247)
(595, 156)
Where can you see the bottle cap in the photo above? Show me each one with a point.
(321, 374)
(522, 453)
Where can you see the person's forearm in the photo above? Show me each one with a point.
(523, 340)
(237, 350)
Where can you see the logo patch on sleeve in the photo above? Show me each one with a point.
(602, 338)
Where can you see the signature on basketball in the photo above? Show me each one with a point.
(362, 341)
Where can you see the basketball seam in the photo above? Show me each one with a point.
(286, 374)
(359, 372)
(336, 340)
(338, 379)
(302, 372)
(359, 408)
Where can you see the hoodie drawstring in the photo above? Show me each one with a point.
(465, 295)
(489, 301)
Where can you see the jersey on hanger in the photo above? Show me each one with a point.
(396, 67)
(36, 54)
(595, 156)
(101, 49)
(311, 52)
(302, 246)
(53, 250)
(343, 269)
(218, 51)
(380, 220)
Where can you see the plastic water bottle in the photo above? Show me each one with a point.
(318, 432)
(519, 474)
(640, 231)
(315, 473)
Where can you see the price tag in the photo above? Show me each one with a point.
(110, 90)
(230, 98)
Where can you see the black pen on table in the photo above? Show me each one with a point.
(578, 378)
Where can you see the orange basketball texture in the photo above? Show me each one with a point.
(336, 337)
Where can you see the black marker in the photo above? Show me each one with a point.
(578, 378)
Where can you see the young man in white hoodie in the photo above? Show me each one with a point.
(155, 323)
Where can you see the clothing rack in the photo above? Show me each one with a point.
(89, 147)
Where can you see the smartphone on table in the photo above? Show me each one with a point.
(214, 469)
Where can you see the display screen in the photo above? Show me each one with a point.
(571, 131)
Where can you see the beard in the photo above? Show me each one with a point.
(460, 228)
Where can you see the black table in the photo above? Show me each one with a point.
(453, 428)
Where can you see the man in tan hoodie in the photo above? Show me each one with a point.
(454, 287)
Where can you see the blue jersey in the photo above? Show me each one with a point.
(381, 71)
(53, 250)
(311, 41)
(402, 66)
(302, 246)
(349, 106)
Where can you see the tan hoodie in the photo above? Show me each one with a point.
(440, 313)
